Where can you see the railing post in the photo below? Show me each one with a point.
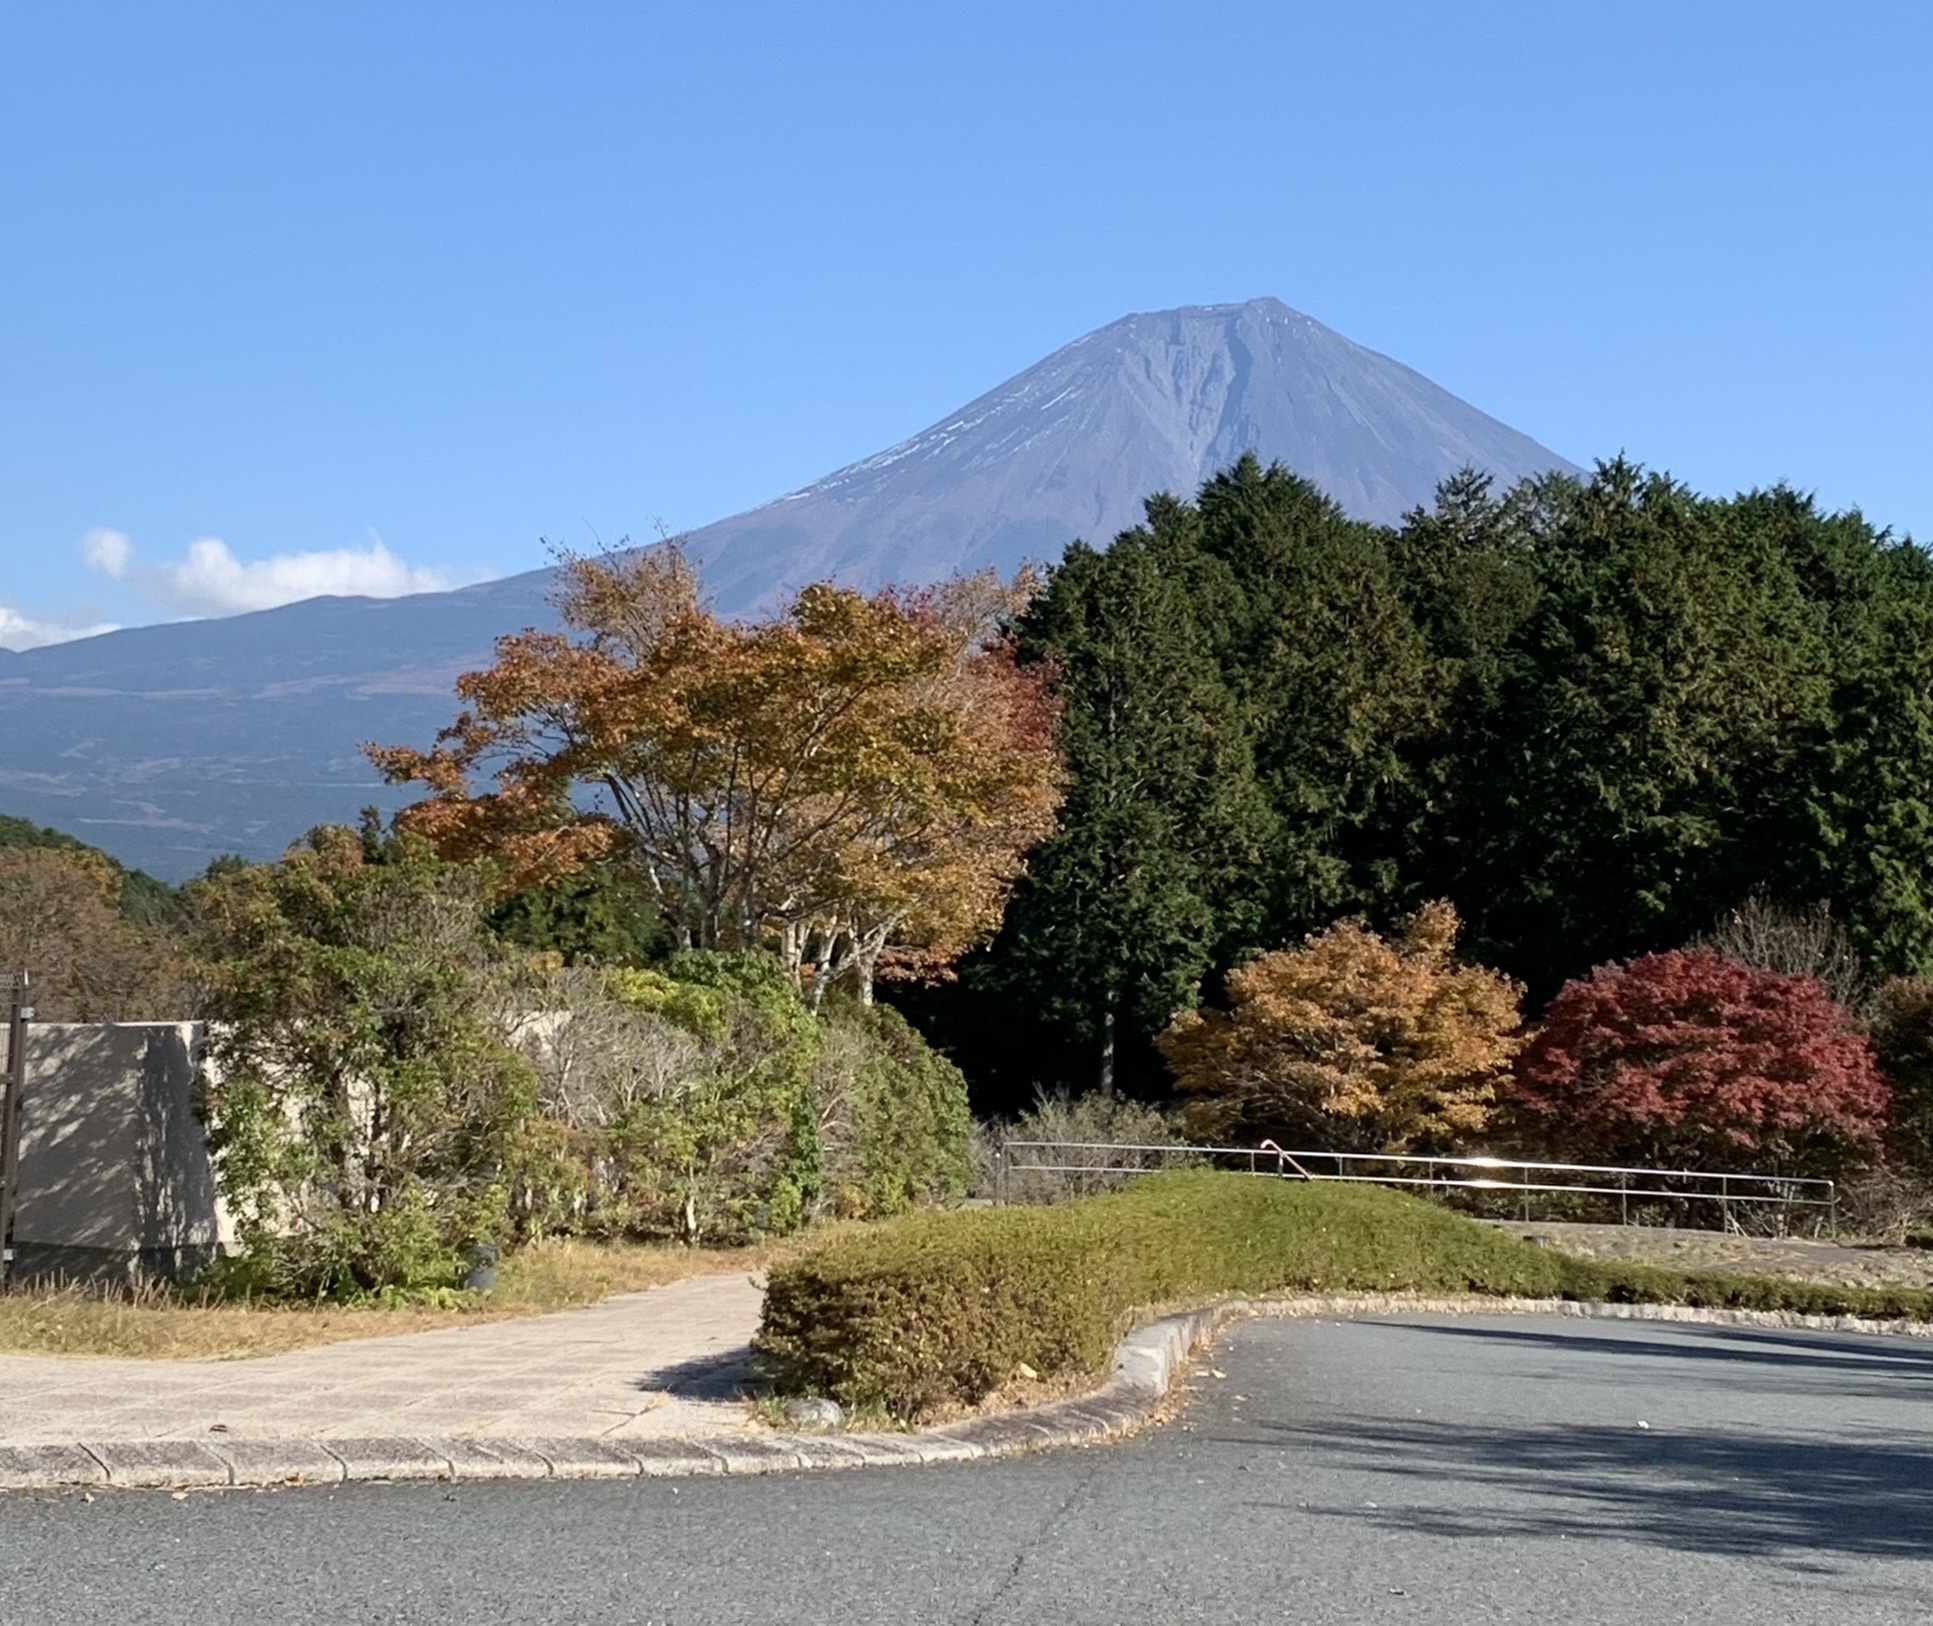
(1000, 1175)
(20, 1014)
(1725, 1203)
(1624, 1198)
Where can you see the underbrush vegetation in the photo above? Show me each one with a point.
(1090, 1133)
(704, 1101)
(387, 1088)
(940, 1309)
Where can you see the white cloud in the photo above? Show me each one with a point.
(210, 580)
(108, 552)
(19, 631)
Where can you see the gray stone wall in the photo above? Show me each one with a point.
(115, 1179)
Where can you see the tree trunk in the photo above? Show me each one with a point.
(1107, 1049)
(346, 1150)
(792, 952)
(865, 956)
(822, 971)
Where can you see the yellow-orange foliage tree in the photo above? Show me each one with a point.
(852, 782)
(61, 920)
(1356, 1042)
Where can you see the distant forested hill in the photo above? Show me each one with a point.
(143, 898)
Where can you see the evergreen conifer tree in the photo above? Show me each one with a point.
(1152, 871)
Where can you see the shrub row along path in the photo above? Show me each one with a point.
(660, 1364)
(1376, 1469)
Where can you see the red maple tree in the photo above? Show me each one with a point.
(1690, 1058)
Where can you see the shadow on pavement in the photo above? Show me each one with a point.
(1716, 1493)
(1825, 1354)
(724, 1376)
(1734, 1488)
(1797, 1365)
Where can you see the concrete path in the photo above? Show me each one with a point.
(661, 1364)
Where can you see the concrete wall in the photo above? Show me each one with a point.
(115, 1180)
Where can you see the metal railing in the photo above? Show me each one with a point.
(1781, 1197)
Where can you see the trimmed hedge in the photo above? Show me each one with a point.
(940, 1309)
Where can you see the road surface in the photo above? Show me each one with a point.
(1434, 1469)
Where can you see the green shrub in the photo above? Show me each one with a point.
(704, 1100)
(363, 1108)
(1902, 1035)
(940, 1309)
(602, 915)
(893, 1117)
(723, 1142)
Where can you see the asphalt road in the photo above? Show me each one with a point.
(1403, 1470)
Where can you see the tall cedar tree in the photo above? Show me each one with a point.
(1321, 649)
(1147, 878)
(1621, 764)
(1237, 678)
(1872, 790)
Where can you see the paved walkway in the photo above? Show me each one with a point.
(662, 1364)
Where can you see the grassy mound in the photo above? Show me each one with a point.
(941, 1308)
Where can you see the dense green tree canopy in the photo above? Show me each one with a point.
(1615, 778)
(1149, 877)
(1595, 715)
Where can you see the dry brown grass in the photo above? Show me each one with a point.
(161, 1323)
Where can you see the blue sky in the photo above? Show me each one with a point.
(307, 297)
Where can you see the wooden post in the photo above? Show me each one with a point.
(19, 1016)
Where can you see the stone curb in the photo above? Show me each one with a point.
(1146, 1364)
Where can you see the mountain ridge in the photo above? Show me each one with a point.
(1376, 435)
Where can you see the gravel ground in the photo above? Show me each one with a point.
(1827, 1262)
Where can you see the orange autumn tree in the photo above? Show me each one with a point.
(852, 782)
(1357, 1042)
